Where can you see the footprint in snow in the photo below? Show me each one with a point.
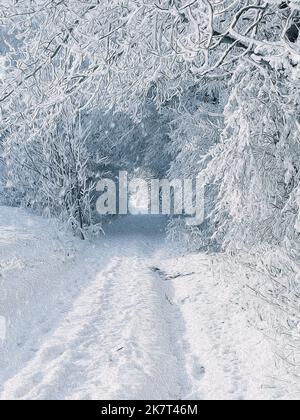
(198, 370)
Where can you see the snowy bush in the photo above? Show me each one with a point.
(50, 172)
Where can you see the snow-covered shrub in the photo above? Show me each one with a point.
(51, 172)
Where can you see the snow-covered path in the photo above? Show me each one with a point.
(111, 332)
(125, 317)
(117, 342)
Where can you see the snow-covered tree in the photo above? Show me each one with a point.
(115, 55)
(51, 171)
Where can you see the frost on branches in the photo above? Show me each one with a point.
(186, 88)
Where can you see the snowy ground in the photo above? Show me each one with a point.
(123, 317)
